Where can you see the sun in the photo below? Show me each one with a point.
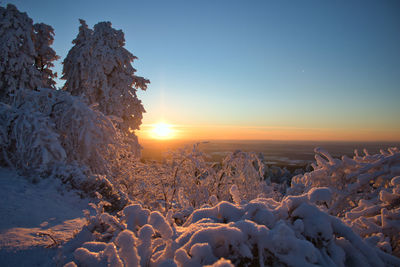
(162, 130)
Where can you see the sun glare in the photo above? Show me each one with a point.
(162, 130)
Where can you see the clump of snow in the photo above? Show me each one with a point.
(135, 216)
(320, 194)
(160, 224)
(235, 194)
(127, 250)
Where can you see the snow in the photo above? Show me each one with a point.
(126, 242)
(235, 194)
(30, 213)
(160, 225)
(135, 216)
(320, 194)
(293, 232)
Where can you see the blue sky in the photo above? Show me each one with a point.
(325, 65)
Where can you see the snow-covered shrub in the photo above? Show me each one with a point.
(280, 175)
(186, 180)
(246, 171)
(98, 67)
(53, 134)
(178, 182)
(86, 135)
(262, 232)
(80, 178)
(364, 193)
(188, 175)
(28, 139)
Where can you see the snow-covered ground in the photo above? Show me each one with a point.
(31, 212)
(343, 213)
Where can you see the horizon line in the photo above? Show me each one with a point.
(264, 140)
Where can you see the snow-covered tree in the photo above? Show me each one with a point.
(99, 68)
(48, 132)
(25, 53)
(17, 52)
(45, 55)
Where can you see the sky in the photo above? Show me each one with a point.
(264, 70)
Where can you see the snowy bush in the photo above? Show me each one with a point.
(186, 180)
(53, 134)
(263, 232)
(293, 230)
(80, 178)
(246, 171)
(28, 140)
(63, 126)
(364, 193)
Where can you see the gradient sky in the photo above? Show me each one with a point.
(303, 70)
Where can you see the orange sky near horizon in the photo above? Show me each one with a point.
(231, 132)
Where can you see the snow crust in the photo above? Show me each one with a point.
(30, 214)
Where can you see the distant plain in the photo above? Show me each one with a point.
(279, 153)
